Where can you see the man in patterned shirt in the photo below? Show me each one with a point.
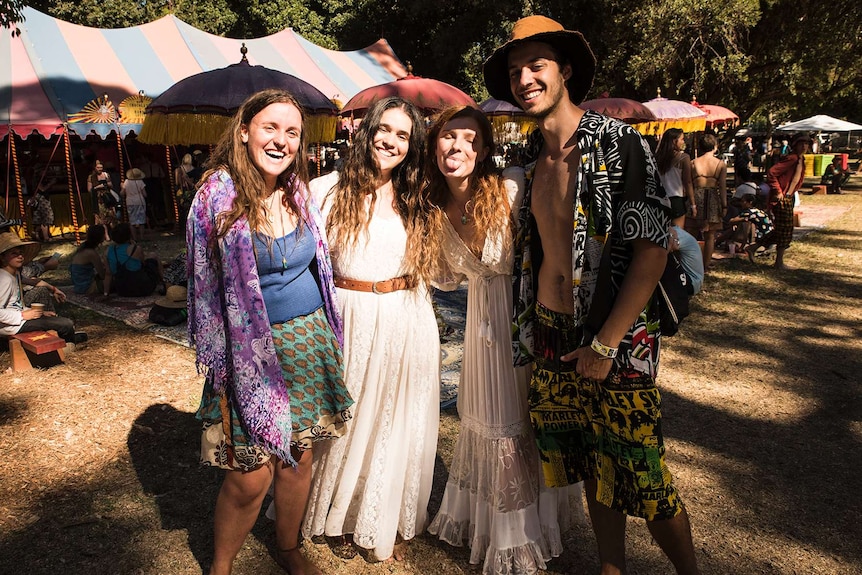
(591, 247)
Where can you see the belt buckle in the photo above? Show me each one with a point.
(374, 288)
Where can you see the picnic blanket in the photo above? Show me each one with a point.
(450, 307)
(132, 311)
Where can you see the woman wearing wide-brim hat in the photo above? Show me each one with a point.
(14, 316)
(134, 195)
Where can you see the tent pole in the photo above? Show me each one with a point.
(67, 144)
(14, 154)
(173, 189)
(120, 165)
(8, 170)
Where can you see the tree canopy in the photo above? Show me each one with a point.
(768, 60)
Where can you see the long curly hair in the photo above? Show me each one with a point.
(490, 202)
(360, 177)
(665, 154)
(231, 155)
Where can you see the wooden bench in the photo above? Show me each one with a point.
(42, 348)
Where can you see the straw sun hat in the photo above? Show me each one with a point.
(569, 43)
(175, 298)
(9, 240)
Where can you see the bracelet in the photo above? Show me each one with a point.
(602, 349)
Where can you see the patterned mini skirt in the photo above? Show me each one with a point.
(311, 364)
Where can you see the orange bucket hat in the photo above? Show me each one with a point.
(571, 44)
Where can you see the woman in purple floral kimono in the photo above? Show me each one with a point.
(264, 321)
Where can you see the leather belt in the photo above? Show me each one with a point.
(378, 287)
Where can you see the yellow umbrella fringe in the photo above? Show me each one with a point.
(661, 126)
(206, 129)
(500, 126)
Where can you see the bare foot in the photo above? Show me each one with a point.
(399, 551)
(295, 563)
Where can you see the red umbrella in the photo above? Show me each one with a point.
(629, 111)
(426, 94)
(717, 115)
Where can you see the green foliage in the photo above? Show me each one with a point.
(767, 60)
(10, 12)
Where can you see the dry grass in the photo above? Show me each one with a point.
(762, 413)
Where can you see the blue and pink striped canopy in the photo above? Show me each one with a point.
(54, 69)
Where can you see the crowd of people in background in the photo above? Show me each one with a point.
(308, 283)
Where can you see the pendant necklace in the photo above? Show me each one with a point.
(281, 250)
(464, 213)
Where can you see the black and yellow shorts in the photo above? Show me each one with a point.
(609, 430)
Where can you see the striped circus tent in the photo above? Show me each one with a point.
(53, 70)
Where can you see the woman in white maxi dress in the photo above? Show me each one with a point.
(375, 482)
(495, 499)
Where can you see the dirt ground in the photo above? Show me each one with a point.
(762, 420)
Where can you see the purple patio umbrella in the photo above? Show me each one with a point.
(196, 109)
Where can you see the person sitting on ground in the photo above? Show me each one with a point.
(131, 272)
(15, 317)
(134, 195)
(88, 266)
(42, 212)
(34, 269)
(756, 223)
(835, 176)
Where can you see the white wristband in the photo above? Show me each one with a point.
(602, 349)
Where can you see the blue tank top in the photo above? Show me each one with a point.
(119, 253)
(288, 286)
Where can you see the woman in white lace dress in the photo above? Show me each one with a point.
(495, 499)
(375, 484)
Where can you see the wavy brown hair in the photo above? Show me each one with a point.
(490, 201)
(360, 177)
(231, 155)
(665, 154)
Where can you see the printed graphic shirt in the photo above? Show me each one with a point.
(762, 223)
(618, 196)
